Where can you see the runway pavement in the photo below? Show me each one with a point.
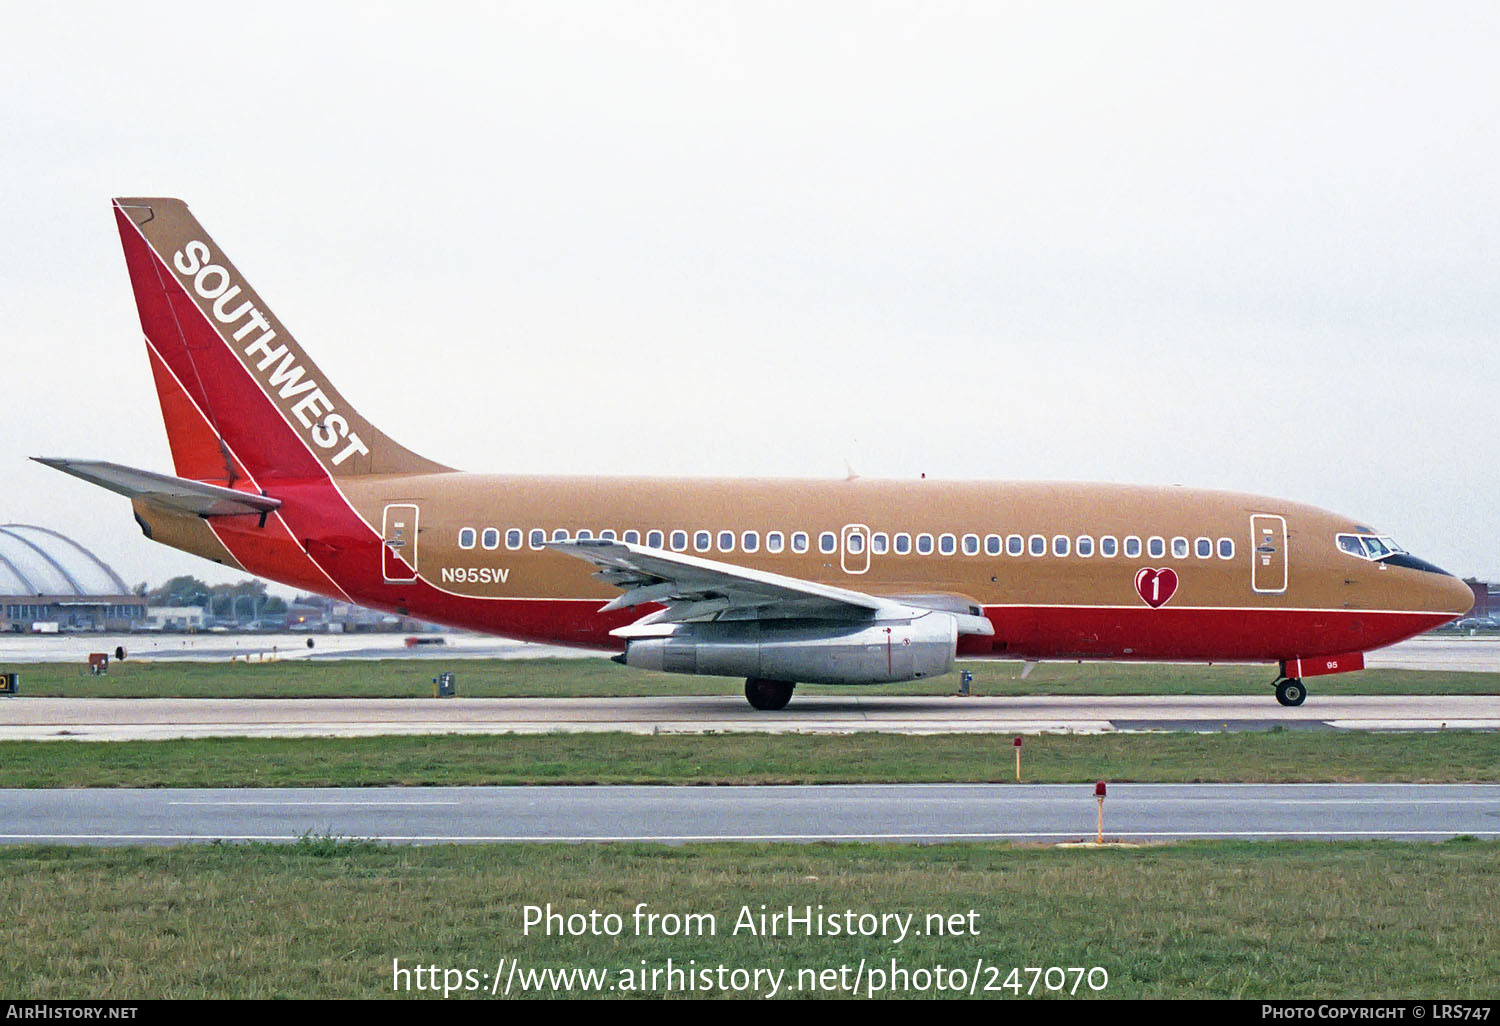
(875, 812)
(1480, 653)
(105, 719)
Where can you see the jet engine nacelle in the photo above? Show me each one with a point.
(804, 651)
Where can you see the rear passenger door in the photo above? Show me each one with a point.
(398, 554)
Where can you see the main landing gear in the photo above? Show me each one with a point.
(768, 695)
(1290, 691)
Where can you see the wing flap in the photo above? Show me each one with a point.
(175, 493)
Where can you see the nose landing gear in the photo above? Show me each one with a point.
(1290, 691)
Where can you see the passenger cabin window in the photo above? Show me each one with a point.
(607, 535)
(880, 543)
(1179, 548)
(1015, 545)
(750, 541)
(513, 538)
(702, 541)
(1084, 546)
(726, 541)
(799, 541)
(585, 535)
(827, 542)
(947, 544)
(1204, 548)
(490, 539)
(654, 539)
(561, 534)
(1060, 545)
(466, 538)
(1226, 548)
(855, 543)
(1037, 545)
(924, 544)
(1132, 547)
(1157, 547)
(903, 544)
(971, 544)
(993, 545)
(632, 537)
(1109, 548)
(775, 542)
(679, 541)
(537, 538)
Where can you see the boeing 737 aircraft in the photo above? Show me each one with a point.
(831, 582)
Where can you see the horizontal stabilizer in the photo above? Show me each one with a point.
(204, 500)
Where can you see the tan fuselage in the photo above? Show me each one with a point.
(1254, 596)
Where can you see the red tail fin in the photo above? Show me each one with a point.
(237, 392)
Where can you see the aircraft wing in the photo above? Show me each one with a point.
(691, 588)
(204, 500)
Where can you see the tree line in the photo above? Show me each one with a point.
(245, 600)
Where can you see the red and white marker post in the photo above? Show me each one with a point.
(1099, 794)
(1018, 759)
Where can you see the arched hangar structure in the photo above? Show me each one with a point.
(47, 578)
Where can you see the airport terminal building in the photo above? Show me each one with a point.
(48, 582)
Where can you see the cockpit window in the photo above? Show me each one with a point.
(1368, 546)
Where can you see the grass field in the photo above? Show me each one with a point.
(549, 678)
(1278, 756)
(1368, 920)
(325, 918)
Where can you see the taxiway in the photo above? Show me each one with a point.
(107, 719)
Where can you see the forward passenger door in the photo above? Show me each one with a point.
(1268, 571)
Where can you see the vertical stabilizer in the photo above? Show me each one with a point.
(237, 392)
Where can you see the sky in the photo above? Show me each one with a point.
(1242, 246)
